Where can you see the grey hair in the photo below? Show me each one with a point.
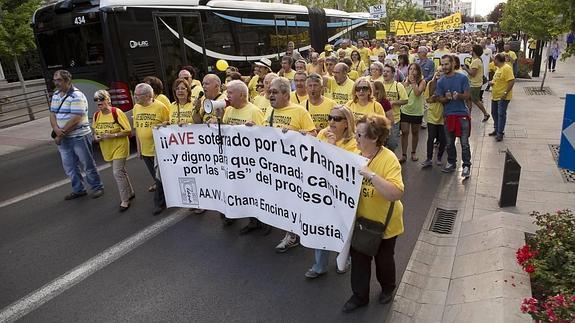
(423, 48)
(146, 87)
(64, 74)
(283, 84)
(103, 94)
(239, 85)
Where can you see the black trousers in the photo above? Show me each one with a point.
(435, 131)
(159, 199)
(384, 270)
(552, 62)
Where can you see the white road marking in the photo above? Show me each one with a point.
(47, 292)
(48, 187)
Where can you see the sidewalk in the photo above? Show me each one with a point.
(26, 135)
(471, 275)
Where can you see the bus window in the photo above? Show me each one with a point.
(72, 47)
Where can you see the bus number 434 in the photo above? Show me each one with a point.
(80, 20)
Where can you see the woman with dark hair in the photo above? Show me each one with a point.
(158, 88)
(356, 63)
(412, 112)
(182, 109)
(402, 67)
(382, 188)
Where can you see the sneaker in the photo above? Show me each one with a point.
(289, 241)
(423, 126)
(449, 168)
(311, 274)
(466, 171)
(486, 117)
(498, 138)
(427, 163)
(492, 134)
(96, 194)
(345, 269)
(74, 195)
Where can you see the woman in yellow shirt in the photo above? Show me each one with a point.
(363, 102)
(381, 191)
(356, 63)
(341, 133)
(112, 129)
(181, 110)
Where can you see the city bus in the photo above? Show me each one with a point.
(114, 44)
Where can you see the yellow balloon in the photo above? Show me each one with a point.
(222, 65)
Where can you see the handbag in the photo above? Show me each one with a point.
(53, 133)
(367, 234)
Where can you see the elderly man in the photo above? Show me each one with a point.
(427, 65)
(212, 90)
(295, 55)
(241, 112)
(262, 100)
(289, 117)
(340, 86)
(262, 67)
(300, 93)
(316, 104)
(72, 134)
(286, 70)
(329, 65)
(149, 113)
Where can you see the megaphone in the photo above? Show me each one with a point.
(213, 105)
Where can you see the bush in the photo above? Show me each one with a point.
(549, 258)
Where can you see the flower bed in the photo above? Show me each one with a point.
(549, 259)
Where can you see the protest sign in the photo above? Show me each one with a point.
(402, 28)
(287, 180)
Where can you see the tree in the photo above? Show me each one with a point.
(496, 14)
(16, 36)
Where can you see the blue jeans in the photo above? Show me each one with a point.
(321, 261)
(499, 114)
(464, 140)
(76, 154)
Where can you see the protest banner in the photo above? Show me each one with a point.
(402, 28)
(287, 180)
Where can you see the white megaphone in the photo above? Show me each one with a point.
(213, 105)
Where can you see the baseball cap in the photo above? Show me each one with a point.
(328, 48)
(265, 62)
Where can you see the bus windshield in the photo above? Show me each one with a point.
(76, 46)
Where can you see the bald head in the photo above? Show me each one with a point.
(211, 85)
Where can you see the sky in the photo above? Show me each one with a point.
(484, 7)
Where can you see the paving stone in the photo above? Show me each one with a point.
(489, 285)
(496, 310)
(429, 313)
(441, 267)
(499, 237)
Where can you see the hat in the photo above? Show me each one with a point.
(265, 62)
(328, 48)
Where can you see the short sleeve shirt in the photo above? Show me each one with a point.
(295, 117)
(69, 105)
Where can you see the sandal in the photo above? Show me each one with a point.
(403, 158)
(414, 157)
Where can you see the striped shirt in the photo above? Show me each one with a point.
(75, 104)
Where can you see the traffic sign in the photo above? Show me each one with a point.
(567, 148)
(379, 10)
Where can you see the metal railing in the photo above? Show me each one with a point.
(24, 107)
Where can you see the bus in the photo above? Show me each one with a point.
(114, 44)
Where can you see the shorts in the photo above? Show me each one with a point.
(411, 119)
(475, 93)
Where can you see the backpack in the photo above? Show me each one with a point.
(114, 115)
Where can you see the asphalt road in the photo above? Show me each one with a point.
(196, 270)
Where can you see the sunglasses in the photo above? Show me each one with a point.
(99, 99)
(362, 88)
(335, 118)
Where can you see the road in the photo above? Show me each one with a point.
(196, 270)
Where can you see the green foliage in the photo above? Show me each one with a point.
(16, 36)
(496, 14)
(542, 19)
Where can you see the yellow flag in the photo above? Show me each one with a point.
(425, 27)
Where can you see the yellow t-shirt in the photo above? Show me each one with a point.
(164, 99)
(186, 113)
(196, 82)
(476, 81)
(296, 99)
(353, 75)
(115, 148)
(145, 119)
(341, 94)
(262, 102)
(252, 86)
(320, 112)
(511, 54)
(295, 117)
(377, 79)
(290, 75)
(310, 68)
(395, 91)
(196, 92)
(358, 67)
(440, 53)
(376, 51)
(435, 112)
(501, 78)
(371, 204)
(492, 68)
(359, 111)
(240, 116)
(365, 54)
(350, 146)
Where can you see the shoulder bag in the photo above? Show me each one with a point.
(367, 234)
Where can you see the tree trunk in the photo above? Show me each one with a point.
(546, 66)
(23, 84)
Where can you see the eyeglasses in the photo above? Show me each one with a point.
(362, 88)
(335, 118)
(99, 99)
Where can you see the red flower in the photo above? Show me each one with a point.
(529, 269)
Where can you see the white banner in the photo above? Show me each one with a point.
(287, 180)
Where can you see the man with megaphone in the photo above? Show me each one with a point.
(212, 91)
